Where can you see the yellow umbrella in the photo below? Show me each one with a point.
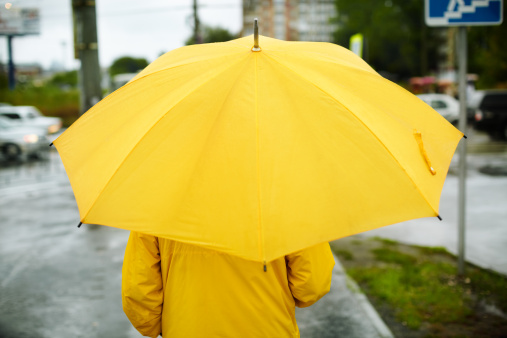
(257, 152)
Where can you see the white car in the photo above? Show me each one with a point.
(21, 143)
(29, 116)
(444, 104)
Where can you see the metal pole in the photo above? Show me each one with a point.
(256, 36)
(462, 72)
(86, 45)
(10, 65)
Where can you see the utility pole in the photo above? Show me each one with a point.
(86, 50)
(10, 64)
(197, 35)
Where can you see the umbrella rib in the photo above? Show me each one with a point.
(144, 135)
(262, 253)
(360, 121)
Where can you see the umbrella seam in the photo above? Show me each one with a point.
(367, 127)
(262, 253)
(143, 136)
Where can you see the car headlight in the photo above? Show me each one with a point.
(31, 138)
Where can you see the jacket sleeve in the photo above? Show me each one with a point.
(142, 289)
(309, 273)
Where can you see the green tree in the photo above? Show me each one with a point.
(64, 79)
(127, 64)
(213, 34)
(487, 55)
(397, 39)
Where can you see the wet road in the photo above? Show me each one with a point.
(60, 281)
(55, 280)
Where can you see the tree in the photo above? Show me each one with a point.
(487, 55)
(213, 34)
(127, 64)
(396, 36)
(64, 79)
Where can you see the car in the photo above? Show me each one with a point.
(444, 104)
(30, 116)
(490, 108)
(20, 143)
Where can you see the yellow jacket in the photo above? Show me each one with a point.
(182, 290)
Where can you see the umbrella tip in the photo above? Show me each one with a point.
(256, 47)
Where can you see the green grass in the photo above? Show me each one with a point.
(385, 241)
(433, 250)
(344, 254)
(416, 289)
(392, 256)
(419, 287)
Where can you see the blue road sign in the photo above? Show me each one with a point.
(463, 12)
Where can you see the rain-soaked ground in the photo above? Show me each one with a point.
(60, 281)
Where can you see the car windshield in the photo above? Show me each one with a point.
(33, 112)
(438, 104)
(12, 116)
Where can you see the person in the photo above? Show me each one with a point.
(182, 290)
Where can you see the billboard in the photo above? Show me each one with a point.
(19, 21)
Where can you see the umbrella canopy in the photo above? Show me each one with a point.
(257, 153)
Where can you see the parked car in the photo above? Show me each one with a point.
(19, 142)
(30, 116)
(490, 108)
(444, 104)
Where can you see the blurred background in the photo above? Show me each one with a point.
(59, 57)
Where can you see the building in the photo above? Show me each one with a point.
(291, 20)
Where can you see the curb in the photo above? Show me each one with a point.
(368, 309)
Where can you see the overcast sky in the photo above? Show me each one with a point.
(125, 28)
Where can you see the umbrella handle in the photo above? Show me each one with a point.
(256, 47)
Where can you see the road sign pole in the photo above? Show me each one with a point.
(462, 73)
